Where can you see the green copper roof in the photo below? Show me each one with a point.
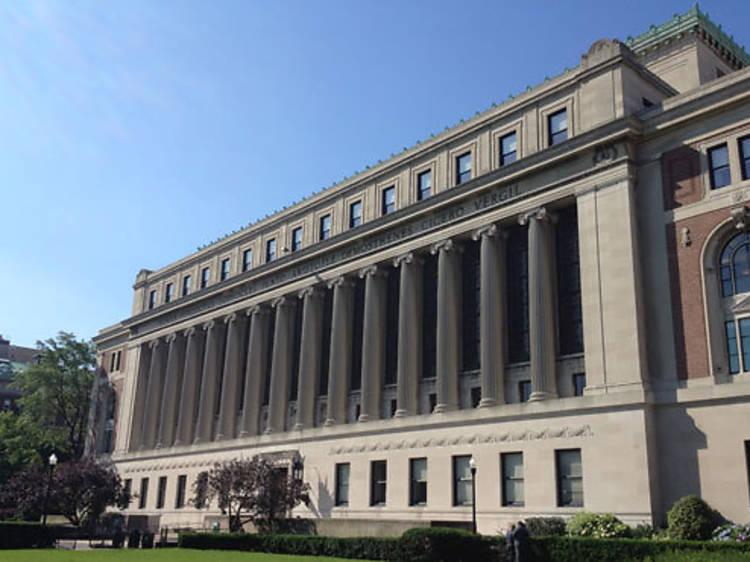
(684, 23)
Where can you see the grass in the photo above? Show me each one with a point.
(157, 555)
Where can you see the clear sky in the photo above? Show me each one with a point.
(133, 132)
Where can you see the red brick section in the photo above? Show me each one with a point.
(680, 169)
(691, 347)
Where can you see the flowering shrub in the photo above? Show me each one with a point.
(732, 532)
(597, 525)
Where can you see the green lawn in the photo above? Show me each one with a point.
(158, 555)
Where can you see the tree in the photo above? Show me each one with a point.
(23, 443)
(56, 391)
(250, 490)
(23, 495)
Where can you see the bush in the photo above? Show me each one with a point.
(436, 544)
(597, 525)
(642, 531)
(24, 535)
(691, 518)
(545, 526)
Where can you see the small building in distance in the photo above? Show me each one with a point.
(13, 358)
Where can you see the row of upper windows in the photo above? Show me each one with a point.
(557, 127)
(719, 163)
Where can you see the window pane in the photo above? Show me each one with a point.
(512, 467)
(718, 159)
(389, 200)
(424, 185)
(247, 260)
(508, 149)
(524, 391)
(745, 157)
(342, 484)
(558, 127)
(461, 480)
(732, 351)
(741, 269)
(745, 342)
(355, 214)
(463, 168)
(377, 482)
(569, 478)
(271, 250)
(418, 483)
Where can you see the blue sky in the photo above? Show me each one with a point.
(133, 132)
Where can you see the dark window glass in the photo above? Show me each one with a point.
(524, 391)
(151, 300)
(247, 260)
(718, 161)
(377, 482)
(569, 478)
(418, 481)
(389, 200)
(461, 480)
(512, 467)
(179, 501)
(424, 185)
(186, 286)
(325, 356)
(463, 168)
(569, 310)
(325, 227)
(747, 459)
(269, 357)
(296, 343)
(296, 239)
(225, 263)
(558, 127)
(744, 324)
(391, 326)
(205, 276)
(128, 487)
(394, 406)
(112, 361)
(161, 492)
(508, 149)
(117, 363)
(734, 265)
(745, 157)
(517, 295)
(270, 250)
(471, 306)
(432, 398)
(342, 484)
(732, 350)
(359, 315)
(647, 102)
(429, 317)
(355, 214)
(168, 292)
(579, 383)
(476, 396)
(143, 496)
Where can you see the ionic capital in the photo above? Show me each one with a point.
(447, 246)
(230, 318)
(171, 338)
(154, 344)
(190, 332)
(539, 214)
(210, 325)
(313, 292)
(372, 270)
(408, 258)
(282, 302)
(488, 230)
(341, 281)
(257, 309)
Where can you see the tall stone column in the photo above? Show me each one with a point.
(341, 350)
(541, 304)
(230, 388)
(204, 424)
(448, 324)
(491, 319)
(257, 351)
(153, 395)
(188, 406)
(172, 386)
(373, 342)
(310, 352)
(409, 359)
(141, 389)
(281, 364)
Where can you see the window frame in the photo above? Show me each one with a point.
(161, 492)
(338, 500)
(414, 483)
(744, 157)
(152, 296)
(325, 233)
(385, 207)
(296, 244)
(205, 276)
(459, 176)
(168, 292)
(179, 499)
(505, 480)
(714, 170)
(271, 250)
(460, 480)
(561, 478)
(504, 155)
(553, 136)
(225, 269)
(376, 485)
(421, 195)
(143, 496)
(247, 259)
(352, 204)
(186, 285)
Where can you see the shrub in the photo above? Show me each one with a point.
(691, 518)
(597, 525)
(731, 532)
(24, 535)
(642, 531)
(436, 544)
(545, 526)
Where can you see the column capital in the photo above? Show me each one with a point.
(449, 245)
(154, 344)
(372, 270)
(410, 257)
(211, 324)
(489, 231)
(340, 281)
(190, 332)
(257, 309)
(171, 337)
(281, 302)
(313, 291)
(229, 318)
(539, 214)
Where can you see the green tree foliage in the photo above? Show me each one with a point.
(22, 443)
(691, 518)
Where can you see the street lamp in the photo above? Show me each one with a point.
(473, 468)
(52, 464)
(298, 468)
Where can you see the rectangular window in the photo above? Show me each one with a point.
(732, 351)
(377, 482)
(512, 467)
(418, 481)
(558, 126)
(745, 342)
(461, 480)
(151, 300)
(517, 293)
(179, 500)
(389, 200)
(745, 157)
(508, 149)
(342, 483)
(355, 214)
(143, 496)
(205, 277)
(118, 357)
(186, 286)
(128, 484)
(524, 391)
(112, 358)
(168, 292)
(432, 399)
(747, 459)
(569, 308)
(161, 492)
(718, 162)
(296, 239)
(569, 478)
(424, 185)
(271, 250)
(476, 396)
(579, 383)
(225, 264)
(247, 260)
(463, 168)
(325, 227)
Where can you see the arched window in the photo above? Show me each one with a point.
(734, 273)
(735, 265)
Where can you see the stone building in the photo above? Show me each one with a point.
(558, 287)
(13, 359)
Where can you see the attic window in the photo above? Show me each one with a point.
(647, 102)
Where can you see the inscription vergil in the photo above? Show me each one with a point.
(453, 213)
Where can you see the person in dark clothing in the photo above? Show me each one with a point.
(509, 547)
(521, 542)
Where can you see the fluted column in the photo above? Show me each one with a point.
(281, 364)
(448, 324)
(309, 361)
(257, 349)
(172, 386)
(541, 304)
(341, 350)
(409, 359)
(204, 424)
(230, 388)
(191, 381)
(153, 395)
(491, 319)
(141, 389)
(373, 342)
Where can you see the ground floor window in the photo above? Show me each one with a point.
(569, 478)
(143, 497)
(418, 481)
(462, 480)
(181, 486)
(161, 492)
(512, 487)
(377, 482)
(342, 484)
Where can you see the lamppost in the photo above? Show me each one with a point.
(473, 468)
(52, 463)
